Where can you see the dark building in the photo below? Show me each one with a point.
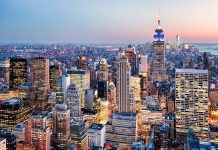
(18, 72)
(13, 111)
(82, 62)
(131, 56)
(102, 89)
(55, 73)
(10, 139)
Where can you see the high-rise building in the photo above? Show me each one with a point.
(143, 64)
(158, 62)
(177, 41)
(90, 96)
(19, 131)
(2, 143)
(131, 56)
(78, 134)
(103, 70)
(111, 98)
(102, 89)
(40, 81)
(10, 139)
(55, 72)
(5, 70)
(121, 130)
(18, 72)
(123, 74)
(96, 135)
(191, 104)
(81, 78)
(135, 85)
(82, 62)
(37, 132)
(13, 111)
(72, 98)
(61, 127)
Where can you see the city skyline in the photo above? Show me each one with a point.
(102, 22)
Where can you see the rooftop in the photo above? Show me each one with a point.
(12, 101)
(191, 71)
(96, 126)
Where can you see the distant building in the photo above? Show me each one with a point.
(40, 81)
(191, 104)
(18, 72)
(72, 98)
(13, 111)
(158, 62)
(61, 126)
(90, 96)
(103, 70)
(96, 135)
(82, 62)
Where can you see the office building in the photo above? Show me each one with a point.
(81, 79)
(111, 98)
(90, 96)
(143, 64)
(96, 135)
(123, 74)
(131, 56)
(61, 127)
(37, 132)
(40, 81)
(191, 104)
(13, 111)
(135, 85)
(19, 131)
(82, 62)
(18, 72)
(158, 62)
(102, 89)
(72, 98)
(103, 69)
(122, 129)
(5, 70)
(78, 134)
(55, 72)
(10, 139)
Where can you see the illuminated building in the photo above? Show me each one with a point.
(96, 135)
(103, 110)
(37, 132)
(62, 83)
(52, 100)
(19, 131)
(25, 146)
(91, 117)
(145, 119)
(61, 126)
(81, 79)
(131, 56)
(135, 85)
(143, 64)
(90, 96)
(102, 89)
(191, 104)
(40, 81)
(18, 72)
(2, 143)
(8, 95)
(78, 134)
(13, 111)
(158, 62)
(10, 139)
(82, 62)
(55, 72)
(72, 98)
(5, 70)
(122, 129)
(24, 91)
(103, 70)
(123, 84)
(111, 98)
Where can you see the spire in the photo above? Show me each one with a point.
(158, 25)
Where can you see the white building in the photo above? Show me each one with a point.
(96, 135)
(72, 99)
(90, 95)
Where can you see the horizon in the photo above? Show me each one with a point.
(53, 21)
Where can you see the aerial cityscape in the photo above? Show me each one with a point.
(108, 75)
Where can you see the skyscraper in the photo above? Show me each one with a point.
(103, 70)
(72, 99)
(55, 72)
(61, 127)
(123, 84)
(40, 81)
(18, 72)
(158, 63)
(131, 56)
(191, 104)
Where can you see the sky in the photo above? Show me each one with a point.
(117, 21)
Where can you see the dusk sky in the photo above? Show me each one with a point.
(107, 20)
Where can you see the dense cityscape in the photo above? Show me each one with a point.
(108, 75)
